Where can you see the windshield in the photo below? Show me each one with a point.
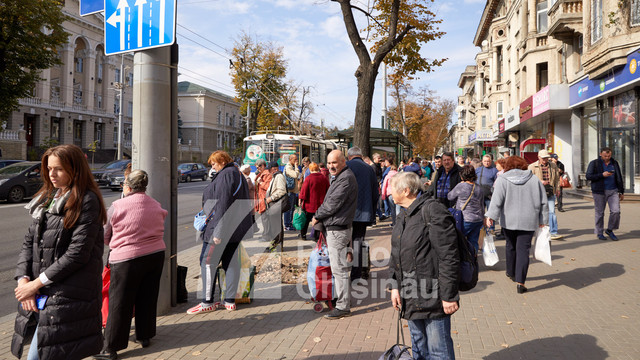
(118, 164)
(14, 169)
(184, 166)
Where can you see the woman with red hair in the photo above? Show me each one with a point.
(519, 201)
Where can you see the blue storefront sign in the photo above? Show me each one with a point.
(587, 89)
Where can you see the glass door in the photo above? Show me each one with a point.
(622, 142)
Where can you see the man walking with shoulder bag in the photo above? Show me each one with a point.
(607, 187)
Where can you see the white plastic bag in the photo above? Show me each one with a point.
(543, 247)
(489, 253)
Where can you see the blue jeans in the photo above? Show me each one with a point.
(33, 349)
(288, 216)
(431, 339)
(553, 220)
(472, 232)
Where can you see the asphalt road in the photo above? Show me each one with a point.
(14, 222)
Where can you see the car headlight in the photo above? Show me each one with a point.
(3, 181)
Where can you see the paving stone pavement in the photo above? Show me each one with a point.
(585, 306)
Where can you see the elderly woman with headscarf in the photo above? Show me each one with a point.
(135, 235)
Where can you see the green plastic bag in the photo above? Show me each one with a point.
(299, 218)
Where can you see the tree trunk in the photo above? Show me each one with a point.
(366, 76)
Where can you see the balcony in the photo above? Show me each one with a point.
(565, 19)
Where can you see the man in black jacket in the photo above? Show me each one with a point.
(446, 178)
(607, 186)
(336, 214)
(424, 268)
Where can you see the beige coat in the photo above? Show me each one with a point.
(293, 172)
(554, 174)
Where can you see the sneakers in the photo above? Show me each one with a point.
(202, 308)
(337, 314)
(229, 306)
(601, 237)
(611, 235)
(556, 236)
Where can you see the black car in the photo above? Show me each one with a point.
(20, 180)
(105, 175)
(4, 163)
(190, 171)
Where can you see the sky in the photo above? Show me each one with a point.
(315, 43)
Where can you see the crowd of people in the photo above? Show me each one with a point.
(60, 263)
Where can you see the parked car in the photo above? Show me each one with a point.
(105, 175)
(4, 163)
(20, 180)
(190, 171)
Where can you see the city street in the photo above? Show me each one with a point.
(584, 307)
(16, 220)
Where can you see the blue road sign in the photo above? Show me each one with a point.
(132, 25)
(91, 6)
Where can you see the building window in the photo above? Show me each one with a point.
(79, 64)
(116, 105)
(100, 71)
(77, 94)
(499, 64)
(226, 119)
(635, 13)
(499, 111)
(219, 116)
(116, 77)
(130, 79)
(596, 20)
(484, 121)
(99, 101)
(97, 134)
(542, 16)
(589, 135)
(219, 140)
(542, 75)
(55, 129)
(77, 133)
(461, 140)
(130, 109)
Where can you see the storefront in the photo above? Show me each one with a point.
(605, 115)
(484, 142)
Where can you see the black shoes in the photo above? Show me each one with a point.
(521, 289)
(145, 343)
(611, 235)
(337, 314)
(513, 278)
(561, 210)
(106, 355)
(601, 237)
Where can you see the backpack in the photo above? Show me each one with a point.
(468, 277)
(291, 182)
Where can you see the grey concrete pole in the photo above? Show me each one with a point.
(152, 143)
(120, 104)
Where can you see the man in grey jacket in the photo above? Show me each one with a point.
(336, 214)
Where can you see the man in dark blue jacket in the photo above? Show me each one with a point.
(365, 211)
(607, 186)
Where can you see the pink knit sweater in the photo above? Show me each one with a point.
(135, 227)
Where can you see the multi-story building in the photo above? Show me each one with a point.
(210, 121)
(560, 75)
(466, 110)
(78, 102)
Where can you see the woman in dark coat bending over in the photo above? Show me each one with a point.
(61, 259)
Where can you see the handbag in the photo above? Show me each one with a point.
(564, 182)
(398, 351)
(542, 250)
(489, 253)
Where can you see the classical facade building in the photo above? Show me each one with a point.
(210, 121)
(559, 75)
(78, 102)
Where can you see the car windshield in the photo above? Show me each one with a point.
(118, 164)
(184, 166)
(14, 169)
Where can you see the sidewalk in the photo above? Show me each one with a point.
(586, 306)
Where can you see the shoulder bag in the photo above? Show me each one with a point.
(399, 351)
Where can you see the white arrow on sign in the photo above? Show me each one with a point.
(118, 17)
(140, 4)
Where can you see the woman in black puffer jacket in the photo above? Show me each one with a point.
(61, 258)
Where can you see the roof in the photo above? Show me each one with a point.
(186, 87)
(377, 136)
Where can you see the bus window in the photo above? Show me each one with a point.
(254, 150)
(285, 149)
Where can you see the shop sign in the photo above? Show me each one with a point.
(501, 126)
(541, 101)
(587, 88)
(512, 119)
(525, 109)
(484, 134)
(472, 137)
(490, 144)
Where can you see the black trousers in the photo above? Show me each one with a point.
(360, 265)
(518, 244)
(305, 226)
(134, 283)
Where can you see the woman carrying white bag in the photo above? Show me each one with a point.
(519, 201)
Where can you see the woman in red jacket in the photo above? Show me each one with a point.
(311, 196)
